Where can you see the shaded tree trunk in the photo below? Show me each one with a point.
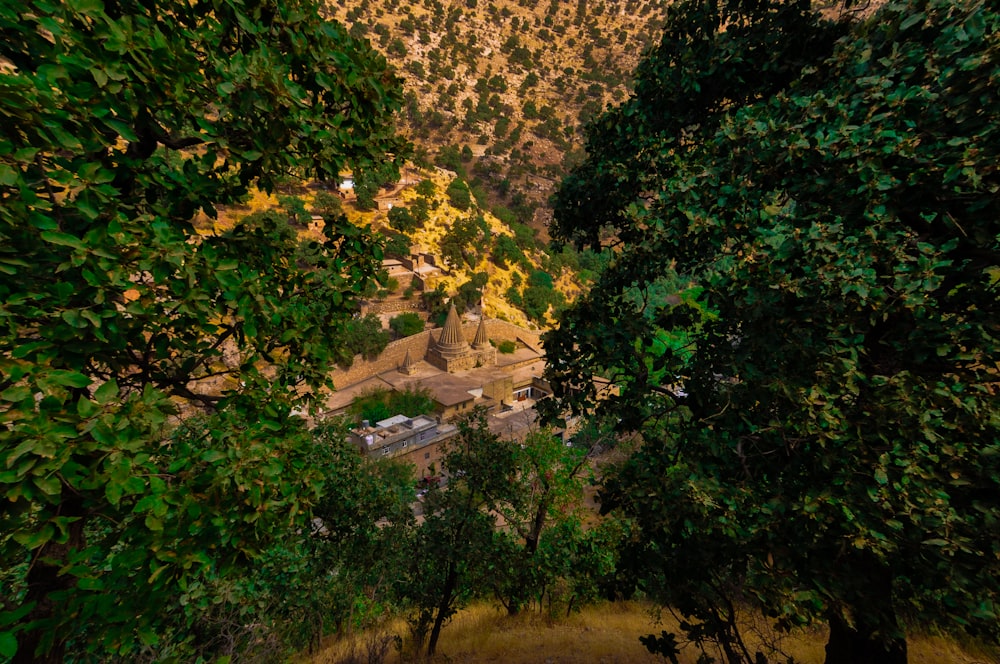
(860, 645)
(43, 580)
(443, 607)
(875, 637)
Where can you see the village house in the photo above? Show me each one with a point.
(415, 440)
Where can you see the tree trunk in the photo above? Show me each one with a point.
(872, 634)
(446, 595)
(861, 645)
(44, 579)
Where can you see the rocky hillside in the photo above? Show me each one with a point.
(506, 83)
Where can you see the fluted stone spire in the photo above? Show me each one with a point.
(481, 342)
(409, 367)
(452, 343)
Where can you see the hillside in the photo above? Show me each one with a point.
(484, 259)
(509, 82)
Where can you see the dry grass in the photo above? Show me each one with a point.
(601, 634)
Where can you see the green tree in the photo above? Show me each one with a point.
(314, 580)
(120, 122)
(505, 251)
(426, 188)
(541, 505)
(824, 444)
(326, 204)
(380, 404)
(465, 241)
(459, 195)
(362, 336)
(449, 549)
(402, 220)
(406, 324)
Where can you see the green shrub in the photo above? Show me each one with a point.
(406, 324)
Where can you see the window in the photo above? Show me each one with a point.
(385, 451)
(427, 455)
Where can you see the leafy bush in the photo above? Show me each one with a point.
(402, 220)
(406, 324)
(426, 188)
(459, 195)
(380, 403)
(505, 251)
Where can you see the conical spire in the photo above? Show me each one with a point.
(481, 341)
(409, 366)
(452, 341)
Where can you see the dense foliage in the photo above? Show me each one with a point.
(381, 404)
(509, 524)
(406, 324)
(119, 124)
(824, 443)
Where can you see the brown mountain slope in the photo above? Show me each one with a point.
(511, 79)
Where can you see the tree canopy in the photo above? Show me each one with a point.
(121, 122)
(823, 440)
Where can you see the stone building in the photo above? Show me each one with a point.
(415, 440)
(452, 353)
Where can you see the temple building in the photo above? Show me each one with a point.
(452, 353)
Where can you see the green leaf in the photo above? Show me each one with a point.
(8, 176)
(113, 492)
(107, 392)
(69, 378)
(49, 484)
(16, 393)
(86, 408)
(32, 539)
(62, 239)
(912, 20)
(8, 644)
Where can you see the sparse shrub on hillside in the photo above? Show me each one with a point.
(396, 244)
(402, 220)
(295, 208)
(426, 188)
(513, 295)
(529, 110)
(505, 252)
(436, 302)
(464, 241)
(459, 195)
(540, 278)
(507, 347)
(471, 292)
(525, 236)
(539, 295)
(366, 187)
(396, 46)
(450, 157)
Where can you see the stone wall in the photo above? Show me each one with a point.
(391, 306)
(391, 358)
(394, 354)
(501, 330)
